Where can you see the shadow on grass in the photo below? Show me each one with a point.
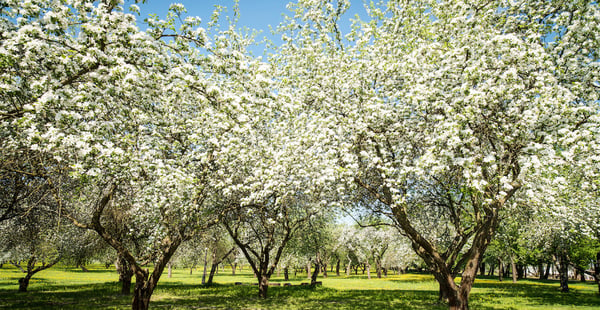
(89, 296)
(537, 293)
(486, 295)
(293, 297)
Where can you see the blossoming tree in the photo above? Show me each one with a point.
(133, 117)
(442, 111)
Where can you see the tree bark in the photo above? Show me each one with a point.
(482, 269)
(597, 271)
(315, 273)
(521, 271)
(545, 272)
(581, 273)
(500, 269)
(492, 269)
(205, 263)
(348, 266)
(513, 269)
(263, 286)
(125, 274)
(286, 273)
(24, 283)
(213, 269)
(337, 268)
(142, 292)
(564, 271)
(308, 265)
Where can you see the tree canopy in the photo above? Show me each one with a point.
(442, 118)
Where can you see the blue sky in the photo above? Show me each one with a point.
(257, 14)
(254, 14)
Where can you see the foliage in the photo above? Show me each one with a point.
(446, 118)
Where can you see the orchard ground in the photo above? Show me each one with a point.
(70, 288)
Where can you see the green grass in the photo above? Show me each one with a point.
(69, 288)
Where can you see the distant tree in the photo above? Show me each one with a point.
(33, 242)
(262, 231)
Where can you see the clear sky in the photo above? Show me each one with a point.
(254, 14)
(257, 14)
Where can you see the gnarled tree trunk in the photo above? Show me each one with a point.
(31, 270)
(564, 271)
(315, 273)
(125, 274)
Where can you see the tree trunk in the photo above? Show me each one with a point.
(24, 283)
(581, 274)
(125, 274)
(233, 269)
(142, 292)
(500, 269)
(348, 267)
(170, 270)
(564, 272)
(211, 275)
(286, 273)
(31, 270)
(126, 285)
(368, 267)
(513, 267)
(263, 286)
(315, 273)
(378, 269)
(324, 270)
(521, 272)
(449, 293)
(145, 283)
(308, 265)
(597, 271)
(482, 269)
(205, 263)
(545, 272)
(337, 268)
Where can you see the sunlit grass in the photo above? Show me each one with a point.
(70, 288)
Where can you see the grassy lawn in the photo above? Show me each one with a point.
(69, 288)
